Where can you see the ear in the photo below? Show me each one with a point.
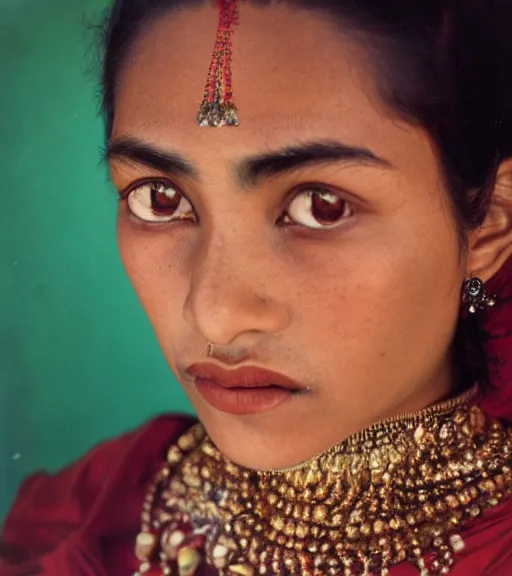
(490, 245)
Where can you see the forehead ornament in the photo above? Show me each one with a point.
(217, 108)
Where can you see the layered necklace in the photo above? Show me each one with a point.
(400, 491)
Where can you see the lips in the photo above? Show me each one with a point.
(246, 390)
(245, 377)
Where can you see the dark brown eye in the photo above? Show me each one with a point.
(159, 202)
(318, 208)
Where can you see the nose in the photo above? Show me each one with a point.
(234, 295)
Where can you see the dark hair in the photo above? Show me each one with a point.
(443, 65)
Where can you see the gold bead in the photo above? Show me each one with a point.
(252, 556)
(291, 493)
(220, 555)
(241, 570)
(301, 530)
(376, 461)
(337, 519)
(297, 512)
(277, 522)
(464, 498)
(378, 527)
(312, 477)
(145, 546)
(188, 561)
(419, 433)
(429, 510)
(272, 499)
(457, 543)
(320, 513)
(171, 541)
(352, 532)
(187, 442)
(395, 523)
(236, 508)
(321, 493)
(356, 516)
(289, 529)
(174, 455)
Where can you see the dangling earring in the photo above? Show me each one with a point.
(474, 295)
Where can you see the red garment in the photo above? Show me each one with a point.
(497, 342)
(83, 521)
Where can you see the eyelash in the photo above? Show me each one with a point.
(284, 220)
(125, 192)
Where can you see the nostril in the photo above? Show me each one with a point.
(229, 354)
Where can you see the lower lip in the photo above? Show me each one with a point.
(241, 400)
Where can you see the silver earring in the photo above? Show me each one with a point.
(475, 296)
(209, 350)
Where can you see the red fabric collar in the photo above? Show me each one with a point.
(496, 325)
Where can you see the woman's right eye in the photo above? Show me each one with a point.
(158, 201)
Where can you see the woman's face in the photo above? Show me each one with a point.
(315, 240)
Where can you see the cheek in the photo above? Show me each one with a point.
(385, 298)
(154, 264)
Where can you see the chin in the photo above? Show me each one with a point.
(249, 444)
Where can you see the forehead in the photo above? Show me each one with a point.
(295, 77)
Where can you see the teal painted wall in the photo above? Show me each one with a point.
(78, 360)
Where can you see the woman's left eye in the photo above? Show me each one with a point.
(317, 208)
(158, 202)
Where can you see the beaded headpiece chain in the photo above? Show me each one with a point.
(217, 107)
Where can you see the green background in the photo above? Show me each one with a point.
(78, 360)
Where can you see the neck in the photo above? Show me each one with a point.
(281, 450)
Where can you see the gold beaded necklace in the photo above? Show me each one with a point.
(399, 491)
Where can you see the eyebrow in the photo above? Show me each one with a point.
(134, 151)
(273, 164)
(250, 171)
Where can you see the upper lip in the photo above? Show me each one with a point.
(244, 377)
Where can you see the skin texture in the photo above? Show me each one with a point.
(361, 315)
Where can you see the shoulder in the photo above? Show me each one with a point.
(50, 507)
